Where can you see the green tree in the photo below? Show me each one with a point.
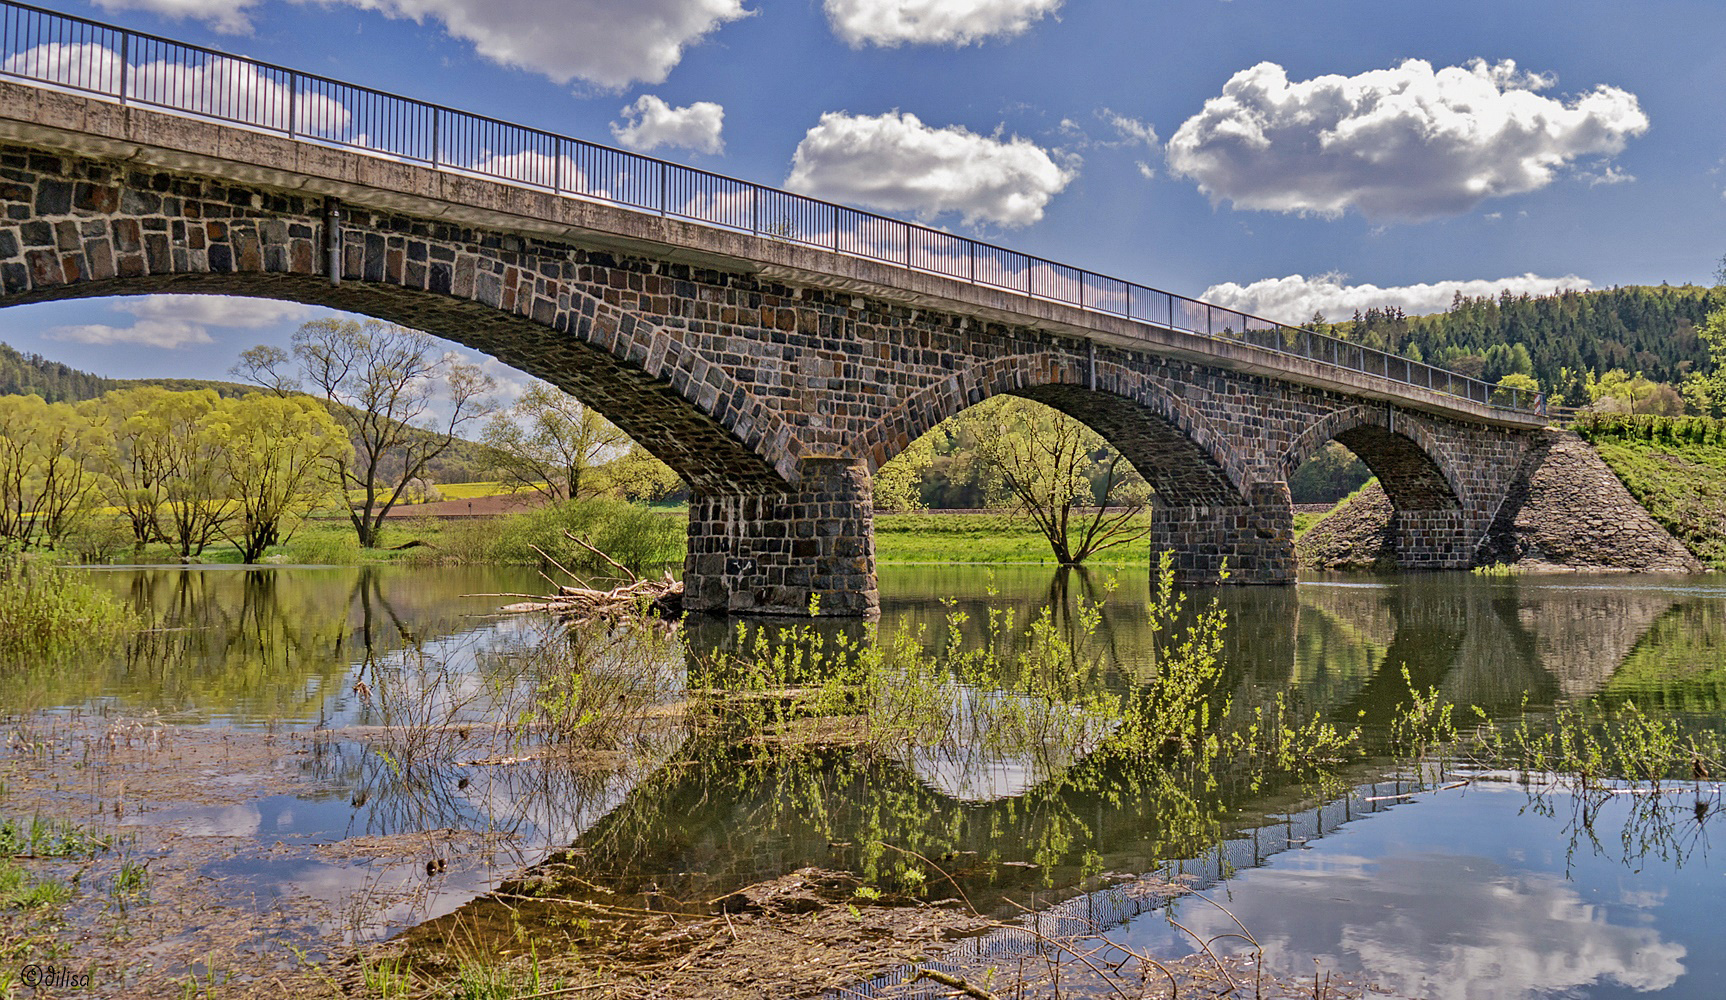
(134, 457)
(1705, 389)
(45, 486)
(1516, 388)
(1079, 492)
(551, 443)
(278, 454)
(637, 475)
(197, 498)
(400, 398)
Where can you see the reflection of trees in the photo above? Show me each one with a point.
(1677, 665)
(260, 644)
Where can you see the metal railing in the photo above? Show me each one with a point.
(74, 53)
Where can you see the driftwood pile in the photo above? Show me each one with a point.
(583, 604)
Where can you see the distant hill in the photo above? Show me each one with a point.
(25, 374)
(1556, 338)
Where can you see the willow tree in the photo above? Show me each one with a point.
(278, 457)
(1078, 490)
(45, 485)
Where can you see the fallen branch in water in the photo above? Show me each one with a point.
(582, 605)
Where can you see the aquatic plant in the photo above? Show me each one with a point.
(44, 607)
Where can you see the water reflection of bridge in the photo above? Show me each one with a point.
(717, 821)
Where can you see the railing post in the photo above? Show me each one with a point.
(664, 188)
(755, 209)
(125, 63)
(293, 104)
(556, 165)
(437, 136)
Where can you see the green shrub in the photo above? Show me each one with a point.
(44, 606)
(635, 536)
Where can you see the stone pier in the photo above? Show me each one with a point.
(1253, 543)
(773, 553)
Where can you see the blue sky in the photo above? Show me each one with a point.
(1276, 155)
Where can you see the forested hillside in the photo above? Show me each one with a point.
(1558, 339)
(32, 374)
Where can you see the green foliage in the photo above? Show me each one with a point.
(638, 537)
(550, 443)
(45, 608)
(46, 838)
(20, 892)
(34, 375)
(46, 487)
(1328, 476)
(1559, 339)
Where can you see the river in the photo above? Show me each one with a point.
(1496, 889)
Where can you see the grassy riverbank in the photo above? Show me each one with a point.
(1674, 467)
(637, 535)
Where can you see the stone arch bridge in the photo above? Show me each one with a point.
(774, 376)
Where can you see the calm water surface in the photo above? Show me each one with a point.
(1496, 890)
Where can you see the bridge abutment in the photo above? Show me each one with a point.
(1254, 541)
(774, 553)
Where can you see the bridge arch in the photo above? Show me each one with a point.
(1172, 445)
(1400, 450)
(528, 309)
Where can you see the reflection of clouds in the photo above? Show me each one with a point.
(1002, 744)
(225, 821)
(1453, 927)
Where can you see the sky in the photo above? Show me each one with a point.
(1278, 156)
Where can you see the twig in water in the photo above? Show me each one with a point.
(955, 982)
(954, 883)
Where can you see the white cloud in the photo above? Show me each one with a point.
(1407, 143)
(216, 310)
(610, 43)
(226, 16)
(164, 333)
(652, 123)
(1443, 925)
(1609, 173)
(1295, 298)
(175, 321)
(1131, 129)
(1133, 132)
(933, 22)
(226, 88)
(894, 162)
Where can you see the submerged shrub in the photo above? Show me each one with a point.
(44, 607)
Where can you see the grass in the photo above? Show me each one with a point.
(1681, 483)
(979, 538)
(639, 536)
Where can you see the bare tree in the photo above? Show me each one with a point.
(383, 383)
